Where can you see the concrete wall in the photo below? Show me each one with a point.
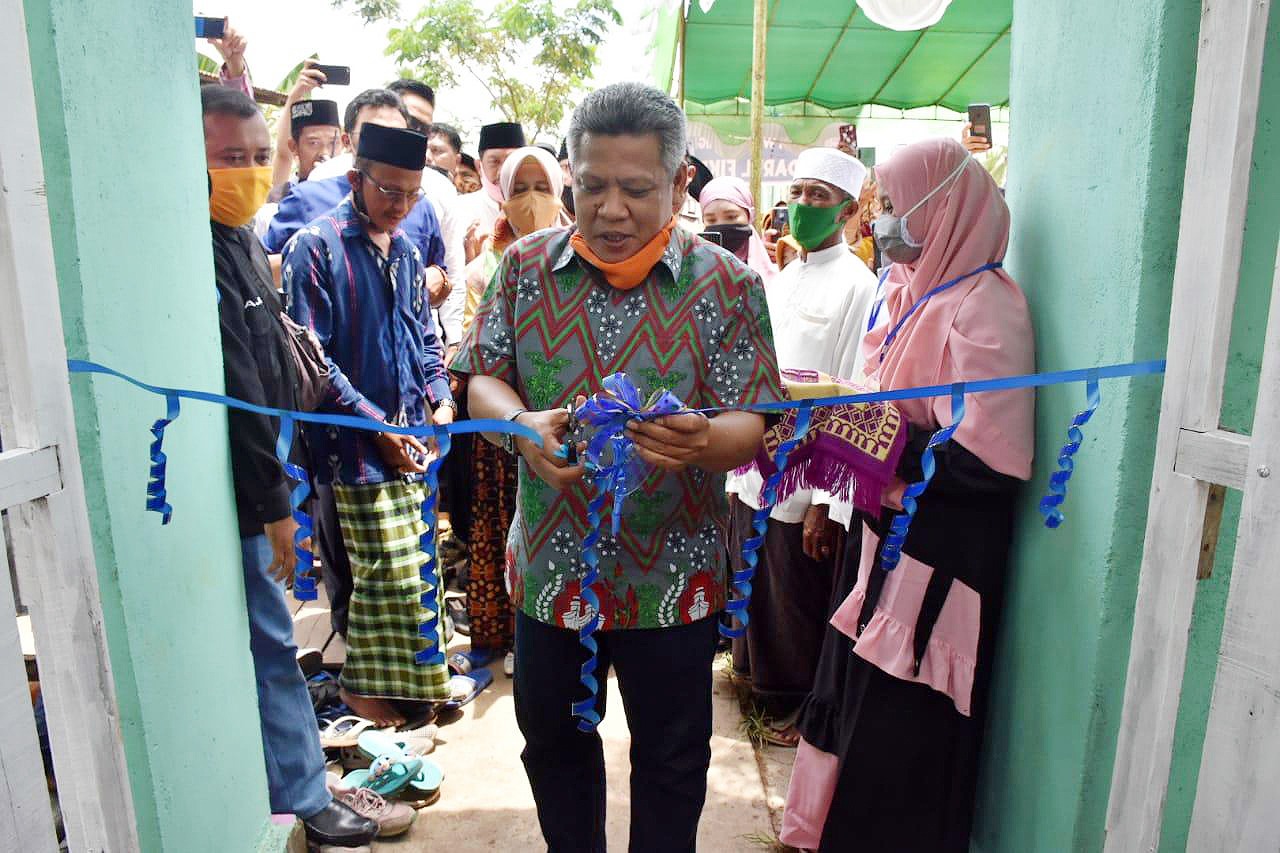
(1101, 93)
(124, 165)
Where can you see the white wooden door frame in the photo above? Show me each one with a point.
(41, 485)
(1192, 452)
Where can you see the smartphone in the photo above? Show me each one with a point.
(781, 221)
(335, 75)
(849, 136)
(210, 28)
(713, 237)
(980, 121)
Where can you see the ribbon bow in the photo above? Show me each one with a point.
(616, 468)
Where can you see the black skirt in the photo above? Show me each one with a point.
(908, 760)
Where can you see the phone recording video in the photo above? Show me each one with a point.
(335, 75)
(980, 121)
(210, 28)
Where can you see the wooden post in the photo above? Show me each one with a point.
(760, 28)
(1214, 199)
(682, 37)
(53, 549)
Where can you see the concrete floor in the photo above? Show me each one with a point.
(486, 804)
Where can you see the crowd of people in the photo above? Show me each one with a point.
(367, 266)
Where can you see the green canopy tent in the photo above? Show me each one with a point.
(826, 60)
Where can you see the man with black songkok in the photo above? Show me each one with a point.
(354, 279)
(481, 209)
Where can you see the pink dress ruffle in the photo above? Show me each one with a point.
(813, 783)
(888, 639)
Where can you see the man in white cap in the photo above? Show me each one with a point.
(817, 304)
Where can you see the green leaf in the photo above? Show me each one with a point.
(205, 65)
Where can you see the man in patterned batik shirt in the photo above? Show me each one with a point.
(623, 291)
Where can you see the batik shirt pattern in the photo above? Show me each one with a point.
(553, 328)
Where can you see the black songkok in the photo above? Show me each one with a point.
(394, 146)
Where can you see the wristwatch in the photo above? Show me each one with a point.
(450, 403)
(509, 440)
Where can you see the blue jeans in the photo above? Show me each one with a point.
(664, 676)
(290, 737)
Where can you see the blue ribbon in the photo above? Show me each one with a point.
(304, 582)
(157, 499)
(585, 709)
(1049, 504)
(616, 468)
(736, 609)
(429, 628)
(897, 535)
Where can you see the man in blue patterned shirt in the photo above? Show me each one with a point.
(353, 278)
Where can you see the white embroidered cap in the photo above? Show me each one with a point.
(833, 166)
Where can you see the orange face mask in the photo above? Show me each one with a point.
(531, 211)
(627, 274)
(238, 194)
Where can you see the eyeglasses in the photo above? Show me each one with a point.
(395, 196)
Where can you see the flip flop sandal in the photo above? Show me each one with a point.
(464, 688)
(373, 744)
(344, 732)
(409, 794)
(427, 783)
(463, 663)
(387, 774)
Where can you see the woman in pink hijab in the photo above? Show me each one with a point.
(893, 727)
(727, 208)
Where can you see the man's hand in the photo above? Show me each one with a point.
(474, 240)
(819, 533)
(438, 286)
(551, 426)
(771, 244)
(673, 442)
(975, 144)
(402, 452)
(232, 46)
(308, 79)
(283, 558)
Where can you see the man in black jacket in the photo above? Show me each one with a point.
(259, 369)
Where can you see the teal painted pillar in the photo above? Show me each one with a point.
(124, 164)
(1101, 94)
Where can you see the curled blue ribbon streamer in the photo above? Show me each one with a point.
(429, 628)
(1049, 504)
(585, 709)
(736, 608)
(157, 498)
(891, 553)
(304, 582)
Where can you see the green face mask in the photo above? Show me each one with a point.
(812, 225)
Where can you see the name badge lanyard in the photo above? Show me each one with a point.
(946, 285)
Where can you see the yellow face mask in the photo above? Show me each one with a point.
(532, 211)
(237, 194)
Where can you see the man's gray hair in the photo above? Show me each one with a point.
(631, 109)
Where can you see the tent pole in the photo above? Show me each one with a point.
(759, 27)
(684, 32)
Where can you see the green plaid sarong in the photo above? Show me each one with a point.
(381, 523)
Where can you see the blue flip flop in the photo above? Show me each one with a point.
(400, 770)
(474, 683)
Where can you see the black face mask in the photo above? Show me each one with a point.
(566, 198)
(734, 238)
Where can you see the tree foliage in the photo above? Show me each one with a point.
(532, 57)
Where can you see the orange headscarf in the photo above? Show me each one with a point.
(979, 329)
(627, 274)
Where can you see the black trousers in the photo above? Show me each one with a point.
(335, 568)
(664, 676)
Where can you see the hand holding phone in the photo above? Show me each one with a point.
(849, 138)
(335, 75)
(979, 127)
(712, 237)
(781, 220)
(210, 28)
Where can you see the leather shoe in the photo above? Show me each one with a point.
(338, 825)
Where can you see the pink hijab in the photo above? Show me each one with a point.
(979, 329)
(735, 191)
